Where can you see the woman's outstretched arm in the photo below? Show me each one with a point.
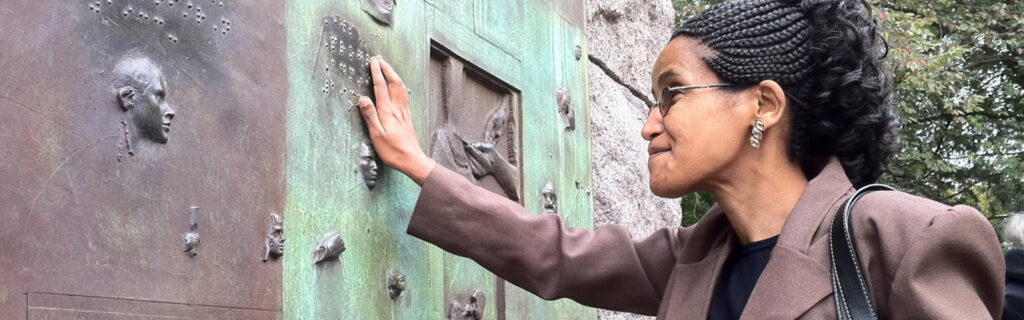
(603, 268)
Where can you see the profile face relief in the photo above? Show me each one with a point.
(142, 91)
(368, 164)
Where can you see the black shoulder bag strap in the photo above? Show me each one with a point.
(853, 299)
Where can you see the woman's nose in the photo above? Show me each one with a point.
(653, 127)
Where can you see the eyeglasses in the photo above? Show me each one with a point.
(666, 96)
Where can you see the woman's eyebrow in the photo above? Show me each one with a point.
(668, 74)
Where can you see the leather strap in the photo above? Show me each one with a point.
(850, 290)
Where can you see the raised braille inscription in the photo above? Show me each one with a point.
(342, 62)
(173, 20)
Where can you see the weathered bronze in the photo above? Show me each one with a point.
(342, 63)
(498, 122)
(566, 108)
(274, 245)
(395, 284)
(549, 199)
(192, 236)
(330, 248)
(90, 89)
(460, 144)
(379, 9)
(470, 308)
(142, 91)
(485, 160)
(368, 163)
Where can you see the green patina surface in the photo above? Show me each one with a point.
(527, 45)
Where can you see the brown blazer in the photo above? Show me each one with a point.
(923, 259)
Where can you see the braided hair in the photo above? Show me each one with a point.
(825, 56)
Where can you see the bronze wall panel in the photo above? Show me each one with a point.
(43, 306)
(96, 198)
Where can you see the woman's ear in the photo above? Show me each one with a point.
(126, 97)
(771, 103)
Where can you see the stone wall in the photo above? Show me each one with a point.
(624, 38)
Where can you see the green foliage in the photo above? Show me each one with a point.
(694, 206)
(959, 75)
(958, 70)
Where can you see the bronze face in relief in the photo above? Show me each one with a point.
(550, 199)
(368, 164)
(141, 90)
(274, 246)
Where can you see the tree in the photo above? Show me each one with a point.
(958, 70)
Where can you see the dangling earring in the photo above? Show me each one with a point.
(755, 134)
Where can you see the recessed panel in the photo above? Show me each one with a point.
(44, 306)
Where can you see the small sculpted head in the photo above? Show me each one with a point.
(141, 90)
(550, 198)
(275, 236)
(368, 164)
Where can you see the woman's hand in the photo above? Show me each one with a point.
(390, 124)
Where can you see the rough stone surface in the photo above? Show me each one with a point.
(627, 35)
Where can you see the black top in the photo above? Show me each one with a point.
(1014, 284)
(739, 275)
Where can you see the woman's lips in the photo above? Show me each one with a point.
(656, 151)
(653, 150)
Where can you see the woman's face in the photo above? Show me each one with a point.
(693, 146)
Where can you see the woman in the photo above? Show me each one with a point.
(778, 108)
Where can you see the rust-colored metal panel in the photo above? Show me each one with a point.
(45, 306)
(121, 116)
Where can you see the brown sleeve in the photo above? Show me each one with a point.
(604, 268)
(953, 269)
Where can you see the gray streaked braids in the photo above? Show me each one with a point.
(824, 54)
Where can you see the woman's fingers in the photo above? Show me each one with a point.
(399, 93)
(369, 112)
(380, 87)
(391, 76)
(390, 123)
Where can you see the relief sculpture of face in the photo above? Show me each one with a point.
(380, 9)
(142, 91)
(275, 238)
(368, 164)
(550, 200)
